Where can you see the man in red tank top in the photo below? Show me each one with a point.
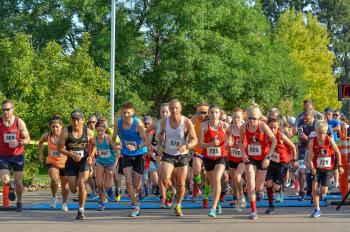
(13, 136)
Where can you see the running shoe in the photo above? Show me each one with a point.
(242, 202)
(64, 207)
(237, 207)
(205, 204)
(12, 195)
(253, 215)
(19, 207)
(53, 203)
(178, 211)
(141, 195)
(80, 215)
(93, 197)
(301, 197)
(218, 209)
(101, 206)
(316, 213)
(110, 193)
(117, 197)
(279, 197)
(163, 206)
(146, 192)
(270, 210)
(212, 213)
(135, 212)
(195, 190)
(323, 197)
(259, 196)
(170, 196)
(222, 198)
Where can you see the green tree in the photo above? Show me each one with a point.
(309, 43)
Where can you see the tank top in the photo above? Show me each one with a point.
(54, 157)
(256, 145)
(7, 135)
(78, 145)
(197, 128)
(105, 153)
(234, 153)
(214, 152)
(174, 138)
(130, 137)
(282, 151)
(324, 157)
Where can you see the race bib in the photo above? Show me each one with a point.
(275, 157)
(130, 143)
(81, 153)
(104, 153)
(174, 144)
(301, 164)
(324, 162)
(254, 150)
(214, 151)
(55, 153)
(236, 152)
(10, 137)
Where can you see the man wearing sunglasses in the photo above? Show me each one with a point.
(13, 136)
(197, 161)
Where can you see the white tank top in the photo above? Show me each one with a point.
(174, 138)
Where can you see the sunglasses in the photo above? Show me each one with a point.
(6, 109)
(92, 122)
(252, 118)
(203, 112)
(335, 115)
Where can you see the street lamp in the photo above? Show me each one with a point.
(112, 59)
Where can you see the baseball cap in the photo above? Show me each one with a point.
(77, 114)
(147, 119)
(292, 120)
(328, 110)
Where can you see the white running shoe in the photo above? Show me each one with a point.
(64, 207)
(53, 202)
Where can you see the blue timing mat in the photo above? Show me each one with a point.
(189, 198)
(185, 205)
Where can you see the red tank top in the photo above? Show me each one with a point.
(256, 145)
(8, 134)
(234, 153)
(324, 157)
(54, 157)
(282, 151)
(209, 136)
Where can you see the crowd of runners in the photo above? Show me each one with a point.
(210, 153)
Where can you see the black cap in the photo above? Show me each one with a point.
(77, 114)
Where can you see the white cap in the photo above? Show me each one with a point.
(291, 120)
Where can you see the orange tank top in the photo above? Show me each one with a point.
(54, 157)
(197, 128)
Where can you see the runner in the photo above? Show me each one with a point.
(105, 161)
(13, 136)
(164, 112)
(235, 159)
(212, 140)
(175, 130)
(278, 167)
(134, 142)
(305, 130)
(74, 142)
(255, 150)
(55, 161)
(323, 158)
(197, 161)
(92, 120)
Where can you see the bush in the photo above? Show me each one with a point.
(31, 164)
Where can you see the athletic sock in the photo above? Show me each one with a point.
(198, 179)
(207, 190)
(270, 196)
(253, 206)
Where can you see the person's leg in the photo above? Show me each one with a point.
(82, 181)
(250, 174)
(108, 174)
(128, 174)
(215, 180)
(19, 185)
(64, 188)
(301, 180)
(99, 172)
(54, 177)
(181, 175)
(197, 164)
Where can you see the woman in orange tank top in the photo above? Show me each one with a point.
(55, 162)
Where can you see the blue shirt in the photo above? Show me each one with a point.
(130, 136)
(105, 153)
(331, 124)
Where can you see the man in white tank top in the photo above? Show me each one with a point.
(178, 134)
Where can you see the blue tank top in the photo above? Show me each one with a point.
(130, 136)
(105, 153)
